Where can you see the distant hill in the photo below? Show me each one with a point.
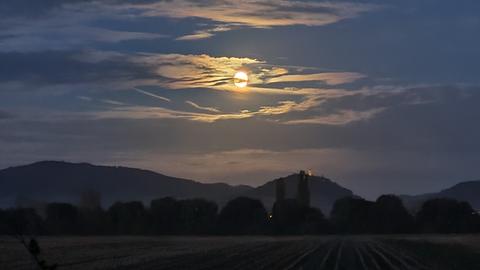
(465, 191)
(49, 181)
(323, 192)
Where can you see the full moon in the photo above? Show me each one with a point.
(240, 79)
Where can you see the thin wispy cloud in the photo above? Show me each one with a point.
(331, 78)
(195, 105)
(151, 94)
(148, 112)
(341, 118)
(206, 33)
(113, 102)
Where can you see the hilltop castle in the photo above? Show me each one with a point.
(303, 190)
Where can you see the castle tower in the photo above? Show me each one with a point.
(303, 191)
(280, 189)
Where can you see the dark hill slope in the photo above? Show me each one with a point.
(61, 181)
(464, 191)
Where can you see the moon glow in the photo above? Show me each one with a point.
(240, 79)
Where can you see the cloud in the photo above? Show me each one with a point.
(256, 14)
(60, 25)
(106, 71)
(343, 117)
(147, 112)
(196, 35)
(195, 105)
(151, 94)
(194, 71)
(206, 33)
(58, 36)
(331, 78)
(57, 25)
(28, 9)
(113, 102)
(306, 103)
(94, 74)
(37, 69)
(180, 71)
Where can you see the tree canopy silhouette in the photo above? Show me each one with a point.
(128, 218)
(243, 216)
(391, 216)
(447, 216)
(290, 216)
(352, 215)
(62, 218)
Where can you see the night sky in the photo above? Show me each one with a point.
(380, 96)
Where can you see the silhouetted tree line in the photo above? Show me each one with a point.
(386, 215)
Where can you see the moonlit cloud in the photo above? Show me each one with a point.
(196, 35)
(63, 26)
(255, 13)
(195, 105)
(341, 118)
(204, 71)
(194, 71)
(331, 78)
(147, 112)
(201, 34)
(305, 104)
(177, 72)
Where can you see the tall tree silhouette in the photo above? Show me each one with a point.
(280, 189)
(303, 191)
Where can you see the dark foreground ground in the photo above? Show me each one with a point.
(309, 252)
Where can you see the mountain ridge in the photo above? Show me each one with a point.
(113, 182)
(47, 181)
(468, 191)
